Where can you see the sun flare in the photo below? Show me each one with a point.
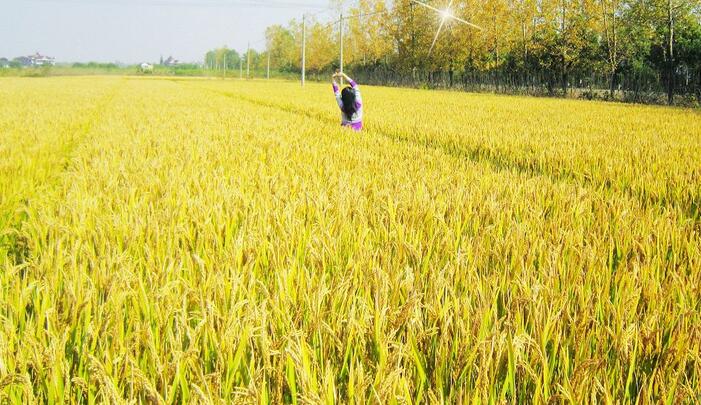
(446, 14)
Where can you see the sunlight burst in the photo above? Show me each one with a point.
(446, 14)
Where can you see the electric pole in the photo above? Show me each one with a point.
(248, 61)
(413, 39)
(267, 70)
(240, 68)
(340, 21)
(304, 45)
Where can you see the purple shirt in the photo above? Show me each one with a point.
(356, 120)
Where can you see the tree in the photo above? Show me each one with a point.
(280, 42)
(222, 59)
(611, 14)
(322, 46)
(533, 44)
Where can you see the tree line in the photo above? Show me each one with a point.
(638, 50)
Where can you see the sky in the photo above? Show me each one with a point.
(134, 31)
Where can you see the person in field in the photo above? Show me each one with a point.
(349, 101)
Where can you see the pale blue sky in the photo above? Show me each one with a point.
(133, 31)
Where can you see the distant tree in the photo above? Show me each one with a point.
(670, 24)
(552, 45)
(95, 65)
(368, 38)
(232, 59)
(210, 60)
(322, 46)
(611, 20)
(689, 50)
(22, 61)
(222, 59)
(281, 44)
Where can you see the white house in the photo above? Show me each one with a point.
(146, 68)
(41, 60)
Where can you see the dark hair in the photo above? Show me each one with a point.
(348, 99)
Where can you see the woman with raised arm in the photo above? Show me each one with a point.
(349, 101)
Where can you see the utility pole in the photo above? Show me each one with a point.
(670, 50)
(360, 24)
(248, 61)
(267, 70)
(240, 68)
(304, 45)
(413, 39)
(340, 21)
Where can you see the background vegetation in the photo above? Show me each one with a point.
(638, 50)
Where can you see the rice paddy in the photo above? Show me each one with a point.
(217, 241)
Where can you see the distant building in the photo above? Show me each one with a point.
(146, 68)
(171, 62)
(34, 60)
(41, 60)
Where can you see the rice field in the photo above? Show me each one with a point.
(224, 241)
